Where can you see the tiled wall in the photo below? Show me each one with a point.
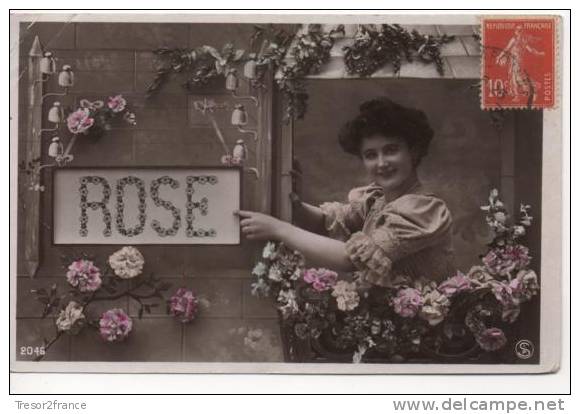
(112, 58)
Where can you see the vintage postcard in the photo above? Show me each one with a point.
(286, 194)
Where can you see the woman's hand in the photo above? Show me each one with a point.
(258, 226)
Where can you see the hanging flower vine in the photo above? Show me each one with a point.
(374, 48)
(199, 65)
(295, 57)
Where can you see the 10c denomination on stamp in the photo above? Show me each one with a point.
(518, 68)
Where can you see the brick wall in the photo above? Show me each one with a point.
(111, 58)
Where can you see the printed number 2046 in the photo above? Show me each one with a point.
(32, 350)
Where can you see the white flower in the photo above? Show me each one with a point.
(435, 307)
(297, 274)
(260, 269)
(269, 251)
(346, 295)
(71, 319)
(287, 299)
(260, 288)
(127, 263)
(275, 274)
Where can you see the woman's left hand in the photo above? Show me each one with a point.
(258, 226)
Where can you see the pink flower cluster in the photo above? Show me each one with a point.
(408, 302)
(84, 275)
(117, 103)
(456, 284)
(80, 121)
(503, 260)
(320, 279)
(115, 325)
(184, 305)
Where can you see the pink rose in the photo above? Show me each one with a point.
(408, 302)
(491, 339)
(320, 279)
(455, 284)
(84, 275)
(505, 259)
(117, 103)
(503, 293)
(115, 325)
(79, 121)
(184, 305)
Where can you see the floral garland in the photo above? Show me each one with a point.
(372, 49)
(71, 310)
(310, 52)
(464, 315)
(199, 65)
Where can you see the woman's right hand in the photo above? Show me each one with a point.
(259, 226)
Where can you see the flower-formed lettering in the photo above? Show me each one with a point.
(94, 205)
(201, 205)
(142, 217)
(175, 212)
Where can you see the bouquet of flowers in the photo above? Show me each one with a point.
(94, 118)
(464, 315)
(123, 277)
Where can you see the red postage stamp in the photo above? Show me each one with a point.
(518, 68)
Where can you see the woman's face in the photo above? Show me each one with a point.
(388, 160)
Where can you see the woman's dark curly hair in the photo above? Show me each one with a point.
(384, 117)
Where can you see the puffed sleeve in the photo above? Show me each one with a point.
(406, 226)
(343, 219)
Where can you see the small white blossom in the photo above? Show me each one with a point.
(71, 319)
(127, 263)
(269, 251)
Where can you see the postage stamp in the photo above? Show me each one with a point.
(518, 68)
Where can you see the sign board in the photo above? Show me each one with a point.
(146, 205)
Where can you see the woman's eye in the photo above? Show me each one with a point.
(370, 156)
(390, 150)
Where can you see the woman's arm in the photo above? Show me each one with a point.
(317, 249)
(307, 216)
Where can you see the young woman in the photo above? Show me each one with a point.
(389, 229)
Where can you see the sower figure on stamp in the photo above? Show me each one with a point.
(520, 82)
(389, 229)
